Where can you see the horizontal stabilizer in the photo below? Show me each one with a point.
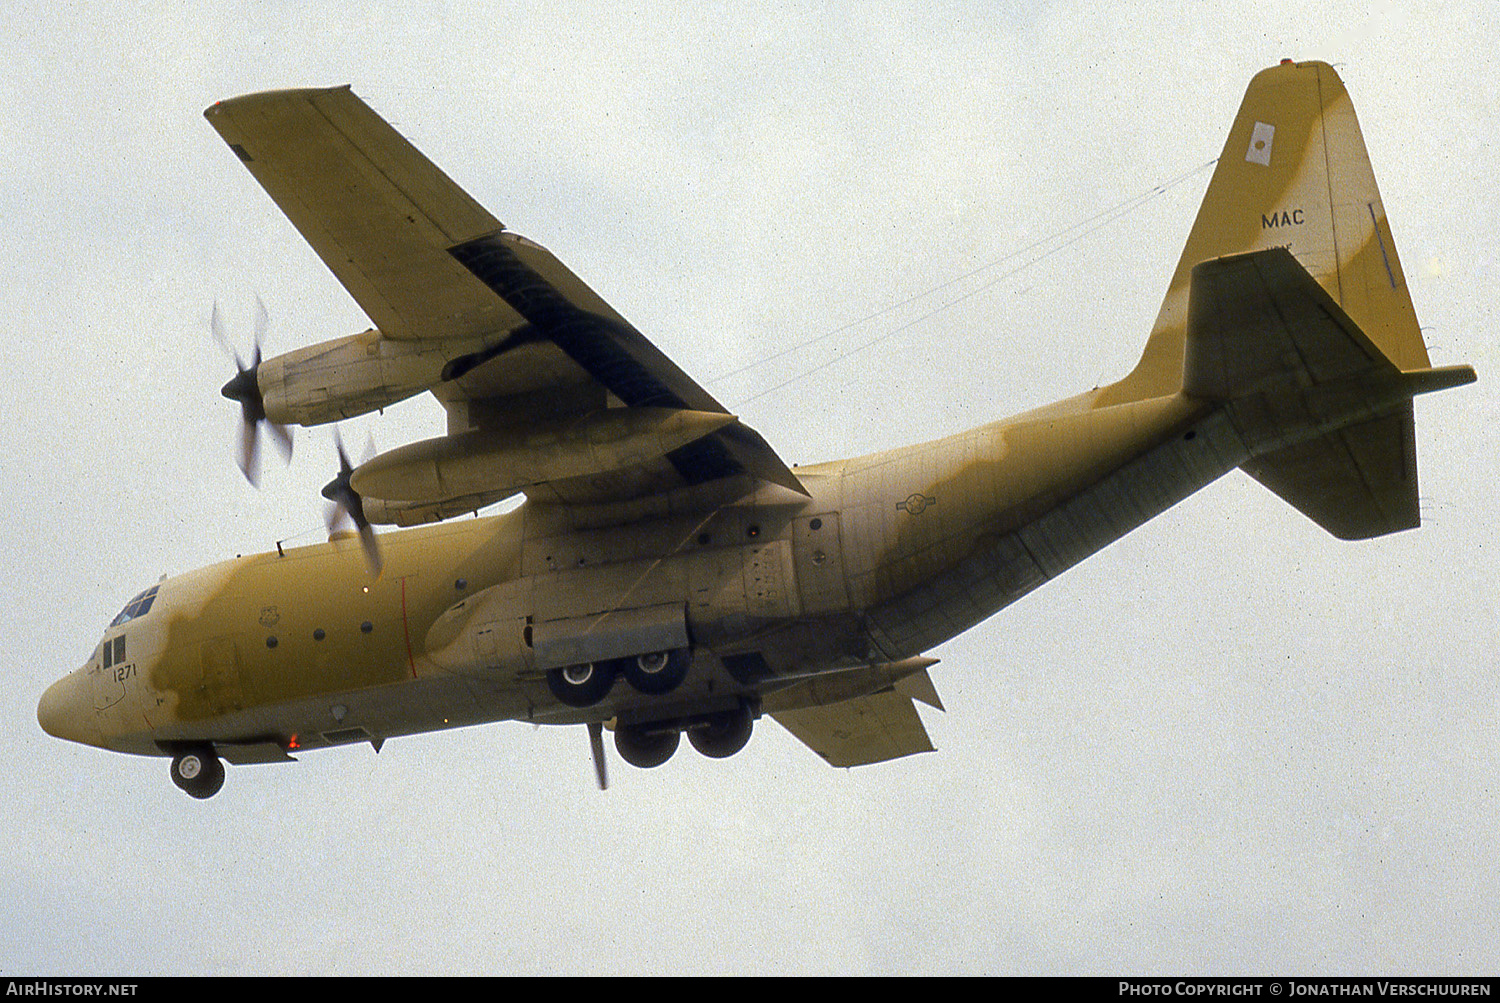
(1357, 483)
(1327, 412)
(868, 729)
(1260, 319)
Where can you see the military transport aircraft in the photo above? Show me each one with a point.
(667, 572)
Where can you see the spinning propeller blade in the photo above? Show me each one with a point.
(244, 388)
(596, 748)
(348, 504)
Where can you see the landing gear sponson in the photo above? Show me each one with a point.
(197, 770)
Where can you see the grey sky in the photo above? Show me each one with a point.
(1229, 743)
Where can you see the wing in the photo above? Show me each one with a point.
(867, 729)
(426, 262)
(378, 212)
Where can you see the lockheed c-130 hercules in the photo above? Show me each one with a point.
(667, 573)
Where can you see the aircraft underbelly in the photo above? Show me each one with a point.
(374, 713)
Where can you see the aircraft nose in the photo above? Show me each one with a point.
(65, 710)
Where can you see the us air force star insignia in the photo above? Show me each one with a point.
(916, 504)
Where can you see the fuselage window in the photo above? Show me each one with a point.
(139, 606)
(113, 652)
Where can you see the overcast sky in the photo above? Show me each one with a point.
(1229, 743)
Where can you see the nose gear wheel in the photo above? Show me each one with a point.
(198, 771)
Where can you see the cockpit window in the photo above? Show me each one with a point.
(139, 606)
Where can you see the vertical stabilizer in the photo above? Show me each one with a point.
(1294, 173)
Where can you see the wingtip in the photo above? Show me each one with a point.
(229, 104)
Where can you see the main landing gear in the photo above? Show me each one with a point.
(197, 770)
(717, 736)
(582, 685)
(723, 734)
(658, 672)
(644, 744)
(641, 746)
(586, 684)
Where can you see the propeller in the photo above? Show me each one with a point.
(348, 504)
(245, 389)
(596, 749)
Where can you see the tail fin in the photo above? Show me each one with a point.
(1289, 306)
(1294, 173)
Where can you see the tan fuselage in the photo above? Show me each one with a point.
(893, 553)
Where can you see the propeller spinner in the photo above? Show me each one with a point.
(348, 504)
(244, 388)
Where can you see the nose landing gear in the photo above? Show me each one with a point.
(198, 771)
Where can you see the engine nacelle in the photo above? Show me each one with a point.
(508, 460)
(397, 513)
(351, 376)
